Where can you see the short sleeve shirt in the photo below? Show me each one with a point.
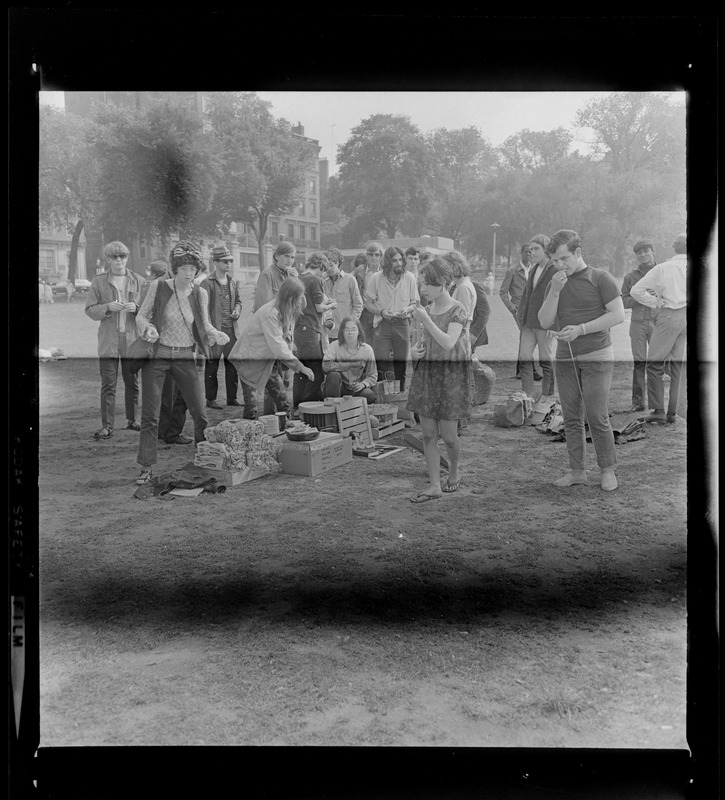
(584, 298)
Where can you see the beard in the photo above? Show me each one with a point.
(394, 270)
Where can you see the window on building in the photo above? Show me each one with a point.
(313, 186)
(291, 230)
(274, 228)
(301, 209)
(47, 260)
(313, 208)
(313, 232)
(303, 231)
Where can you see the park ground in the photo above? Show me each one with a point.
(332, 611)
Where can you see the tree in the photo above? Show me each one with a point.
(639, 139)
(463, 160)
(68, 177)
(262, 163)
(157, 170)
(534, 150)
(384, 177)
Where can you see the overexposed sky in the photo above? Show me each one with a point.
(330, 117)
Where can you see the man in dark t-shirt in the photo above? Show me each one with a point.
(581, 304)
(308, 330)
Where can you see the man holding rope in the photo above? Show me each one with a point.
(583, 303)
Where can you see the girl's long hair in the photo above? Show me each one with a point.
(288, 303)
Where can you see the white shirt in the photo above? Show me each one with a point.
(668, 281)
(465, 293)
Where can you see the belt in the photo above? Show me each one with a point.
(177, 349)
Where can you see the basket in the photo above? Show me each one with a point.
(308, 436)
(386, 413)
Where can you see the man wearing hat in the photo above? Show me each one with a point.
(642, 321)
(664, 288)
(225, 307)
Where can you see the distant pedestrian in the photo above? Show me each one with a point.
(48, 293)
(70, 290)
(511, 289)
(41, 290)
(664, 288)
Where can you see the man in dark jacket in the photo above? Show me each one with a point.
(512, 288)
(642, 322)
(225, 307)
(527, 317)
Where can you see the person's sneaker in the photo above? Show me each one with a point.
(144, 476)
(214, 404)
(180, 439)
(133, 425)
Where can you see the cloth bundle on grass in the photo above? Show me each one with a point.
(236, 444)
(514, 411)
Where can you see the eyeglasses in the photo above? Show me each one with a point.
(122, 256)
(375, 254)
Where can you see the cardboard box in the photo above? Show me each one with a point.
(235, 477)
(328, 451)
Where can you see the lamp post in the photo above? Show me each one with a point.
(495, 227)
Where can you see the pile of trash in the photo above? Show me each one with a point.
(235, 444)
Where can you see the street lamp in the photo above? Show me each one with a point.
(495, 227)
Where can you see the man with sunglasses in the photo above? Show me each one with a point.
(113, 300)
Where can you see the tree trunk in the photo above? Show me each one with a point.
(618, 269)
(260, 231)
(94, 249)
(73, 259)
(391, 228)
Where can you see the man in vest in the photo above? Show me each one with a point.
(225, 308)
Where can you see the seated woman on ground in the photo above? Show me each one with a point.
(349, 364)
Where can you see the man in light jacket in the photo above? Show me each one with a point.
(113, 300)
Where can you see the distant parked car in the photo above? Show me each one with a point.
(58, 288)
(82, 285)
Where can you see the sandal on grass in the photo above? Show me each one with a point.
(144, 477)
(104, 433)
(451, 486)
(133, 425)
(424, 498)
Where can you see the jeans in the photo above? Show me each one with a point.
(529, 340)
(309, 352)
(181, 365)
(211, 384)
(392, 335)
(640, 335)
(595, 378)
(334, 386)
(172, 415)
(109, 378)
(669, 341)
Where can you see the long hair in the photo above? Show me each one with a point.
(288, 302)
(459, 265)
(388, 258)
(343, 325)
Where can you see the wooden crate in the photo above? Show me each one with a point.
(352, 415)
(386, 430)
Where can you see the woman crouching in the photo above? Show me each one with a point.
(268, 338)
(440, 389)
(349, 364)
